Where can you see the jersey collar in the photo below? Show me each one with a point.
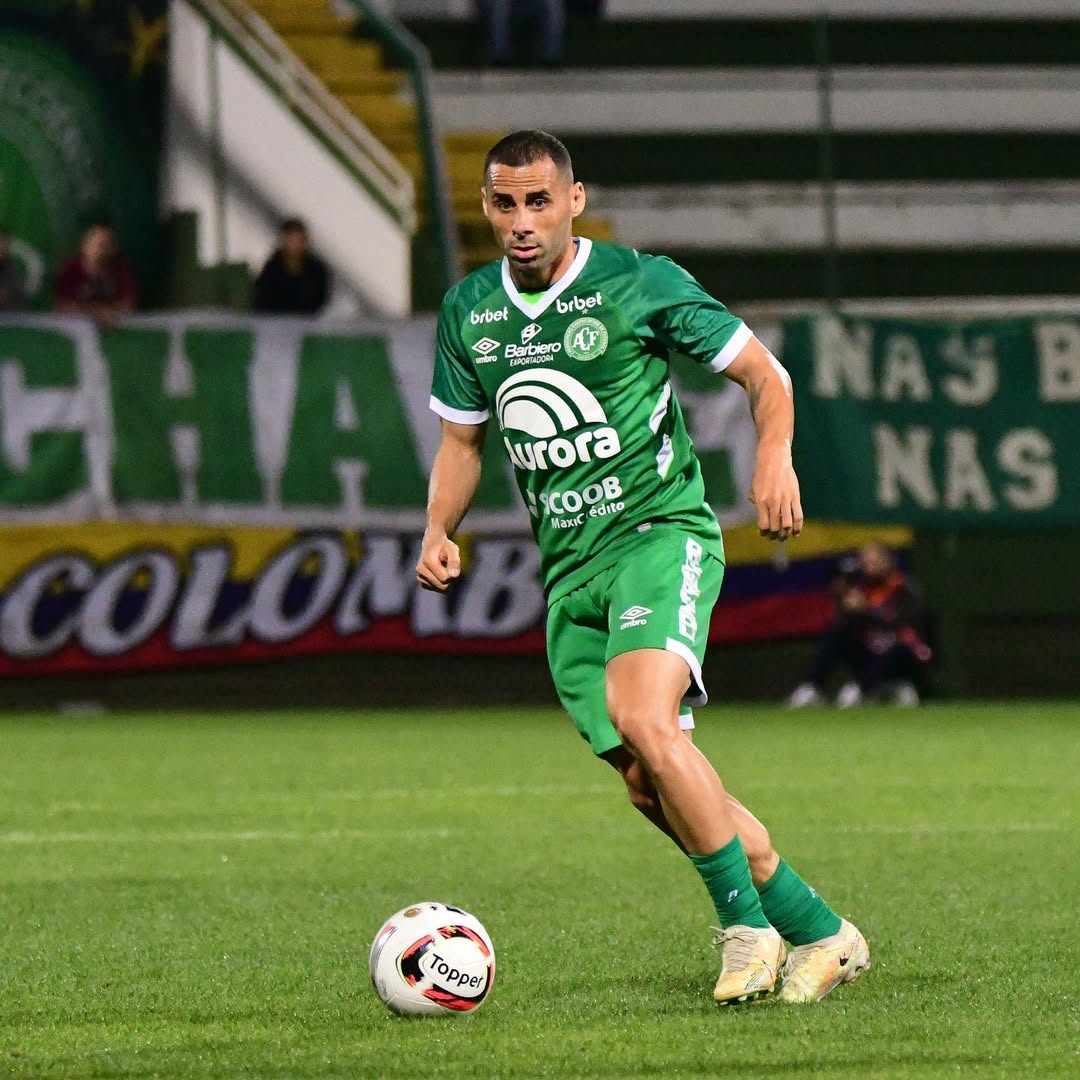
(534, 311)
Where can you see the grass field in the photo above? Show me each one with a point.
(194, 896)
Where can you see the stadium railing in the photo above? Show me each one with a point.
(413, 56)
(342, 133)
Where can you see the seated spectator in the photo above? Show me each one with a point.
(97, 282)
(879, 635)
(12, 291)
(498, 16)
(294, 281)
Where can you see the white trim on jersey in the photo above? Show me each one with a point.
(661, 409)
(534, 311)
(736, 344)
(665, 457)
(695, 695)
(457, 416)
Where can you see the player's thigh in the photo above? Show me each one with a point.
(662, 598)
(577, 653)
(645, 689)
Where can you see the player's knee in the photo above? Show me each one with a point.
(645, 734)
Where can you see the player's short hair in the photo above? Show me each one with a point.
(526, 148)
(293, 224)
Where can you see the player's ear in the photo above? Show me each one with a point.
(577, 198)
(484, 199)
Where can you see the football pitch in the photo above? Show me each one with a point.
(194, 895)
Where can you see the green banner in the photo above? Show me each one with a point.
(81, 91)
(238, 421)
(952, 424)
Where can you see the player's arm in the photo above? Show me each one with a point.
(455, 477)
(686, 319)
(775, 488)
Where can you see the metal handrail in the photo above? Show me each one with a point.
(392, 35)
(304, 92)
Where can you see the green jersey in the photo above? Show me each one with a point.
(576, 379)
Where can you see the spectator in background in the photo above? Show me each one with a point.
(498, 18)
(12, 291)
(879, 634)
(98, 281)
(294, 280)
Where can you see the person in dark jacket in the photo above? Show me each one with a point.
(879, 635)
(294, 280)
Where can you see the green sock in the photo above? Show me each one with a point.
(795, 909)
(726, 874)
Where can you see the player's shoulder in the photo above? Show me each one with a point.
(609, 258)
(474, 289)
(616, 259)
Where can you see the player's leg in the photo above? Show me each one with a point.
(644, 689)
(760, 853)
(665, 592)
(827, 950)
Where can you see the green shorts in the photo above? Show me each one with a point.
(658, 596)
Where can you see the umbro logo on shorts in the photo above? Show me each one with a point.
(634, 616)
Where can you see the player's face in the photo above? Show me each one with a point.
(532, 210)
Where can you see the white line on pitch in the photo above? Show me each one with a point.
(212, 836)
(293, 835)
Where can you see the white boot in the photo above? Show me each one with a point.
(804, 696)
(849, 697)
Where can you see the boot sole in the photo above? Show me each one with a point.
(753, 997)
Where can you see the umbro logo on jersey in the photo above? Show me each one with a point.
(485, 346)
(634, 616)
(529, 333)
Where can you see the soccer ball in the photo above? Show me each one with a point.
(432, 960)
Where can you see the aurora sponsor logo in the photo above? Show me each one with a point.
(563, 421)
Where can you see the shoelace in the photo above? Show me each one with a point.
(738, 944)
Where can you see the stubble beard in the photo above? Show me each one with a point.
(535, 276)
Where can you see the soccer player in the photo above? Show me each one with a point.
(565, 344)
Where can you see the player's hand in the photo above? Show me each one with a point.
(440, 562)
(775, 493)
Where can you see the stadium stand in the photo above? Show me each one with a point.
(950, 161)
(344, 52)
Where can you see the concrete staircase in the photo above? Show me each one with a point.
(355, 70)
